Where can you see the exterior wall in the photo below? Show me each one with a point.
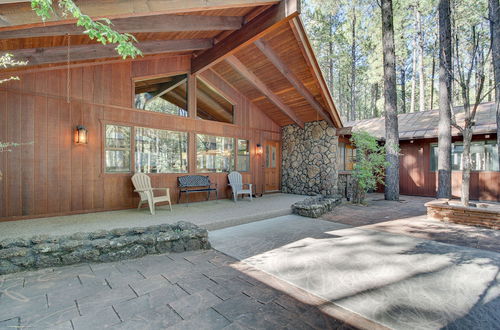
(54, 176)
(416, 177)
(309, 159)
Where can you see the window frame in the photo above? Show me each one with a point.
(155, 76)
(434, 145)
(160, 129)
(234, 151)
(224, 95)
(237, 155)
(104, 148)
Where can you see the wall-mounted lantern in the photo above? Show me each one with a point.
(81, 135)
(259, 149)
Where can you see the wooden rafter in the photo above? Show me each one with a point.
(287, 72)
(36, 56)
(259, 85)
(152, 23)
(20, 12)
(267, 21)
(167, 87)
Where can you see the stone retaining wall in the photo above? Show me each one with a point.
(314, 207)
(309, 159)
(473, 216)
(41, 251)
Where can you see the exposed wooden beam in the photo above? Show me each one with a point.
(167, 87)
(36, 56)
(308, 53)
(259, 85)
(275, 59)
(154, 23)
(20, 13)
(269, 20)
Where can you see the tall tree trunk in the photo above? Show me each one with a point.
(403, 89)
(465, 196)
(353, 66)
(390, 104)
(330, 52)
(421, 76)
(494, 16)
(433, 75)
(414, 77)
(445, 83)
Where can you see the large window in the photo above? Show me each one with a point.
(484, 156)
(164, 94)
(347, 156)
(160, 151)
(117, 149)
(214, 153)
(211, 105)
(243, 161)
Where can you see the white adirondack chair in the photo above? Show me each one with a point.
(235, 181)
(142, 185)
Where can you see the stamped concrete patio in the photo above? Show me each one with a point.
(377, 267)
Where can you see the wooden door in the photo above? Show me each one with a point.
(272, 166)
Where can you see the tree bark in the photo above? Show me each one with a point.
(403, 89)
(494, 17)
(413, 78)
(465, 196)
(390, 106)
(421, 76)
(445, 83)
(353, 66)
(433, 75)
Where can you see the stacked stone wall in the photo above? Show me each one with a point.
(41, 251)
(309, 159)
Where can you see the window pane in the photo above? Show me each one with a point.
(214, 153)
(456, 157)
(491, 156)
(243, 156)
(350, 156)
(477, 156)
(117, 136)
(165, 94)
(117, 161)
(211, 105)
(160, 151)
(434, 157)
(117, 149)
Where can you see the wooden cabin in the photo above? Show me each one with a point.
(418, 133)
(217, 81)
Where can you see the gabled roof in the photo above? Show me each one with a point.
(423, 125)
(259, 47)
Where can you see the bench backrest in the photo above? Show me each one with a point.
(193, 181)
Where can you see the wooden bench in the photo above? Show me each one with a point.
(196, 183)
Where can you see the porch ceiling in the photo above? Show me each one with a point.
(276, 68)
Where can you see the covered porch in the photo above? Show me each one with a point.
(210, 215)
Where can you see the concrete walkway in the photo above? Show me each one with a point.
(398, 281)
(210, 215)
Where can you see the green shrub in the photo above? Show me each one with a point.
(369, 167)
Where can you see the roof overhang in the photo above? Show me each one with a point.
(233, 38)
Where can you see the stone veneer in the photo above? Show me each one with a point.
(309, 159)
(488, 217)
(41, 251)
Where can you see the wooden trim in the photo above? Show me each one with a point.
(287, 72)
(308, 52)
(19, 13)
(37, 56)
(264, 23)
(258, 84)
(139, 24)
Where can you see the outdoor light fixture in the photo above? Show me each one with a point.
(259, 149)
(80, 135)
